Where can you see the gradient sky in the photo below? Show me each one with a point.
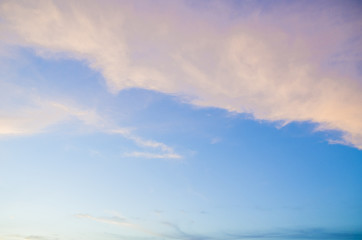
(180, 120)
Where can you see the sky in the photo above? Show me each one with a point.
(180, 120)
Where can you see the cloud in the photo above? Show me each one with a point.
(25, 112)
(140, 141)
(150, 143)
(286, 61)
(119, 221)
(164, 151)
(112, 220)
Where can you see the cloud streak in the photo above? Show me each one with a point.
(123, 222)
(24, 113)
(164, 151)
(294, 61)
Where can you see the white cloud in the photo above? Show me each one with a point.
(140, 141)
(163, 151)
(291, 62)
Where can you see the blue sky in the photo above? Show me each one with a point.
(180, 120)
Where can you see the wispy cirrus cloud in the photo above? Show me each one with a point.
(119, 221)
(26, 113)
(296, 61)
(162, 150)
